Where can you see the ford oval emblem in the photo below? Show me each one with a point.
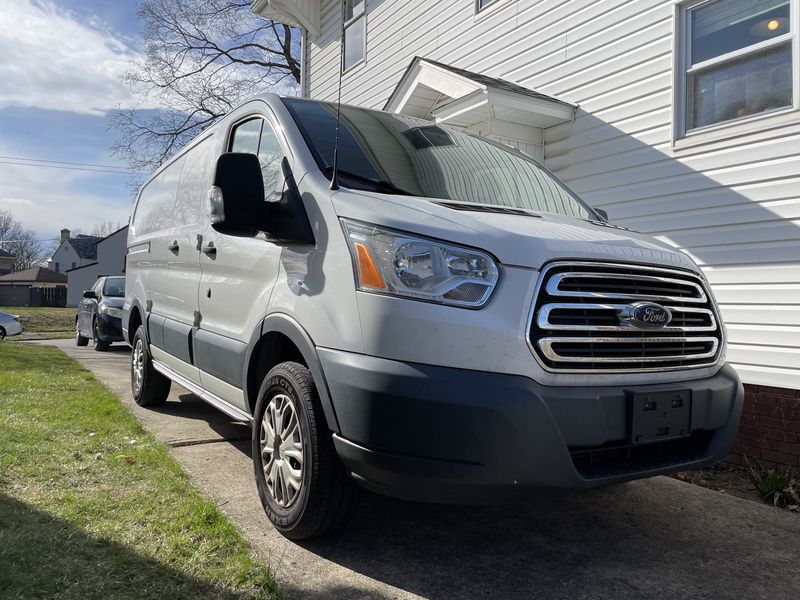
(646, 315)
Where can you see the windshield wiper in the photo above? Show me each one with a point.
(379, 184)
(489, 208)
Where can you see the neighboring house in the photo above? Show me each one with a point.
(680, 118)
(73, 252)
(109, 260)
(37, 286)
(7, 261)
(38, 277)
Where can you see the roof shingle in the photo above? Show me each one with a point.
(36, 275)
(85, 246)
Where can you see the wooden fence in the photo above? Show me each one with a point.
(25, 295)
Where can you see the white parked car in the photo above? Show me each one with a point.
(9, 325)
(444, 322)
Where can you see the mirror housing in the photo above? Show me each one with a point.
(90, 294)
(236, 200)
(237, 204)
(289, 220)
(602, 213)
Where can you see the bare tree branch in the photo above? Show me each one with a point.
(202, 58)
(20, 242)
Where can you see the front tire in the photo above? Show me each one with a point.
(99, 344)
(2, 333)
(79, 339)
(303, 486)
(149, 387)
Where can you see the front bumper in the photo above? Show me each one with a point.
(109, 328)
(439, 434)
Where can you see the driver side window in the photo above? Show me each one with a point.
(256, 136)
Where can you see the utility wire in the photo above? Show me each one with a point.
(92, 170)
(62, 162)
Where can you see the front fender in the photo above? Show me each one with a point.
(287, 326)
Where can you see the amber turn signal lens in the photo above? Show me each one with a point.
(368, 272)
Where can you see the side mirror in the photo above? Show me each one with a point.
(289, 220)
(236, 200)
(90, 294)
(602, 213)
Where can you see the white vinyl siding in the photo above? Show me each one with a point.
(731, 201)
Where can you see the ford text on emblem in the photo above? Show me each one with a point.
(646, 315)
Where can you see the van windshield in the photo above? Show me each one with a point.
(396, 154)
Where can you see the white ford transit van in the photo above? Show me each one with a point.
(445, 322)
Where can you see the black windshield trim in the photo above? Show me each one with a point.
(378, 183)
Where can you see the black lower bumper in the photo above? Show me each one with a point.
(109, 328)
(439, 434)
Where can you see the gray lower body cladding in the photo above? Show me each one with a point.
(440, 434)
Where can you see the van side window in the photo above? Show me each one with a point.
(270, 156)
(194, 184)
(256, 136)
(156, 205)
(246, 135)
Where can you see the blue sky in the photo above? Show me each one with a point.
(60, 76)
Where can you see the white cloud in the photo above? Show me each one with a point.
(51, 60)
(45, 200)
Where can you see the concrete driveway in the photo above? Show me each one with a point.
(658, 538)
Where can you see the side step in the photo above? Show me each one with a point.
(215, 401)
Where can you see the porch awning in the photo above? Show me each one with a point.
(295, 13)
(445, 94)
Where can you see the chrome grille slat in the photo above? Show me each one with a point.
(574, 324)
(554, 288)
(543, 318)
(546, 344)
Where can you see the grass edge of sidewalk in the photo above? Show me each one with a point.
(92, 506)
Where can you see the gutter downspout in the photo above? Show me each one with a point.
(304, 87)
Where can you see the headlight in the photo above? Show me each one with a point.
(111, 312)
(401, 264)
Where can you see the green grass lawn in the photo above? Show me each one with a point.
(92, 506)
(37, 319)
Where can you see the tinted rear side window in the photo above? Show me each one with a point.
(156, 205)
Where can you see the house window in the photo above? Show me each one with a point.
(737, 60)
(58, 267)
(74, 264)
(355, 33)
(481, 4)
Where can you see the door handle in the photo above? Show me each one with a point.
(210, 250)
(174, 247)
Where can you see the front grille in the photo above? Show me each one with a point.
(576, 324)
(619, 458)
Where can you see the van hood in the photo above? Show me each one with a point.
(515, 240)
